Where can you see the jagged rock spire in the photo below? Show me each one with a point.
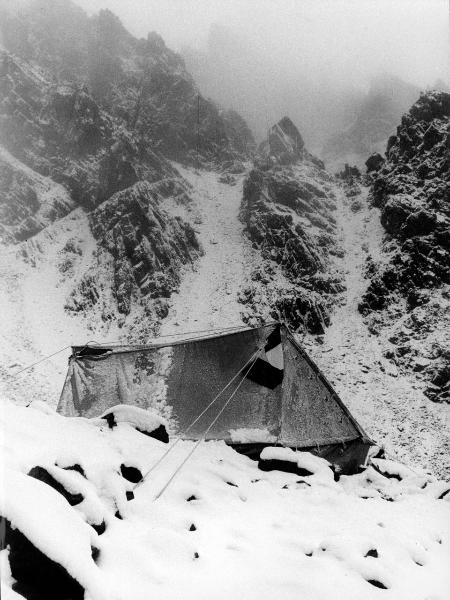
(283, 142)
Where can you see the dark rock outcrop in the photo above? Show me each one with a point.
(37, 576)
(412, 189)
(415, 210)
(287, 211)
(374, 162)
(148, 246)
(89, 119)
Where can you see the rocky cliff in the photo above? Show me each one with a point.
(92, 119)
(409, 293)
(287, 208)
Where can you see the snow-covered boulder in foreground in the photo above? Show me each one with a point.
(43, 531)
(145, 421)
(300, 463)
(223, 528)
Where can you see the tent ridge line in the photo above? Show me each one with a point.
(127, 348)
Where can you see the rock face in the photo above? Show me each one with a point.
(143, 85)
(90, 118)
(148, 246)
(412, 189)
(374, 162)
(283, 140)
(287, 210)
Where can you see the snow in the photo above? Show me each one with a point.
(304, 460)
(274, 453)
(34, 323)
(51, 196)
(243, 436)
(257, 535)
(50, 524)
(389, 406)
(207, 297)
(145, 420)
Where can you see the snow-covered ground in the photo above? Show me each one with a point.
(389, 406)
(33, 321)
(243, 532)
(207, 297)
(223, 528)
(36, 279)
(34, 324)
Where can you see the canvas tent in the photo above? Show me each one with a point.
(280, 395)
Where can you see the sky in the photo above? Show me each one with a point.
(312, 60)
(349, 39)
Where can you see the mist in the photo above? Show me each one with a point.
(311, 59)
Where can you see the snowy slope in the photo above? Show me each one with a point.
(224, 528)
(37, 277)
(207, 297)
(35, 324)
(390, 406)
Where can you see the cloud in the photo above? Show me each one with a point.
(268, 57)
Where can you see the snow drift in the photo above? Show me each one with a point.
(223, 528)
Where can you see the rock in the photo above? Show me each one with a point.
(98, 133)
(395, 212)
(43, 475)
(160, 433)
(227, 178)
(356, 205)
(416, 297)
(410, 189)
(421, 222)
(349, 173)
(130, 473)
(37, 576)
(420, 363)
(148, 246)
(287, 213)
(284, 140)
(374, 162)
(375, 298)
(441, 375)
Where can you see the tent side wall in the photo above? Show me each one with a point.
(180, 380)
(312, 413)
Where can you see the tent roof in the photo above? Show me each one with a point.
(166, 341)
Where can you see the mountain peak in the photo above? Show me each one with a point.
(284, 141)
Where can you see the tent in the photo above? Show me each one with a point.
(278, 394)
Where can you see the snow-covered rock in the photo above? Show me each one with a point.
(223, 527)
(407, 299)
(287, 208)
(145, 421)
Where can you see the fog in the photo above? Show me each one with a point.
(312, 59)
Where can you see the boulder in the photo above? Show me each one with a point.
(37, 576)
(420, 222)
(43, 475)
(395, 212)
(374, 162)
